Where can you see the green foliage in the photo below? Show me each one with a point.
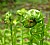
(26, 29)
(8, 17)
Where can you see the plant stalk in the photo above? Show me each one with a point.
(11, 33)
(15, 37)
(42, 34)
(22, 37)
(11, 29)
(31, 38)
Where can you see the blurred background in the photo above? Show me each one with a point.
(14, 5)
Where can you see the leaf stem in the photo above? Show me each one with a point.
(22, 37)
(42, 34)
(11, 33)
(31, 38)
(11, 29)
